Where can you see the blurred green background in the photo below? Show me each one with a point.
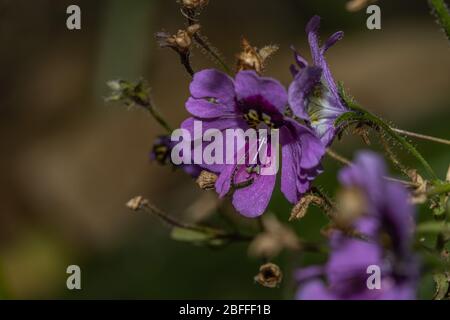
(70, 162)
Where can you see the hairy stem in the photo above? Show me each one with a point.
(440, 11)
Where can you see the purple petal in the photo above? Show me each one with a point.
(312, 148)
(223, 183)
(315, 290)
(219, 124)
(301, 88)
(253, 200)
(202, 108)
(248, 85)
(211, 83)
(348, 263)
(301, 62)
(308, 273)
(312, 29)
(331, 41)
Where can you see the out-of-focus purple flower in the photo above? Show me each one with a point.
(161, 150)
(314, 95)
(388, 222)
(252, 101)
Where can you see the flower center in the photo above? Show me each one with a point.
(254, 118)
(257, 111)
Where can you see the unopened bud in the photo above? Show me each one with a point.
(207, 180)
(269, 275)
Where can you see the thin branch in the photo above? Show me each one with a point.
(347, 162)
(422, 136)
(338, 157)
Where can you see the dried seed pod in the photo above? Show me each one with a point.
(181, 41)
(194, 4)
(269, 275)
(207, 180)
(250, 58)
(136, 203)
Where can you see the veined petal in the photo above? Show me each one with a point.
(203, 108)
(211, 83)
(253, 200)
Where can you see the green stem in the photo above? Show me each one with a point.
(439, 189)
(380, 123)
(361, 114)
(440, 11)
(163, 123)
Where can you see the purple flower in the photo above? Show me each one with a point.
(314, 95)
(252, 101)
(388, 222)
(161, 150)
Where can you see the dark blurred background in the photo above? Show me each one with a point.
(69, 161)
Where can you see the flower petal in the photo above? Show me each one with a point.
(290, 155)
(202, 108)
(248, 84)
(301, 88)
(312, 29)
(331, 41)
(211, 83)
(253, 200)
(315, 290)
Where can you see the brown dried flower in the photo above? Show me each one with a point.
(269, 275)
(181, 41)
(194, 4)
(207, 180)
(301, 208)
(136, 203)
(356, 5)
(253, 59)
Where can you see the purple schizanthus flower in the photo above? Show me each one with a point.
(161, 150)
(388, 222)
(252, 101)
(314, 95)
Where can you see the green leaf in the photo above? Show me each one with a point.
(187, 235)
(200, 236)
